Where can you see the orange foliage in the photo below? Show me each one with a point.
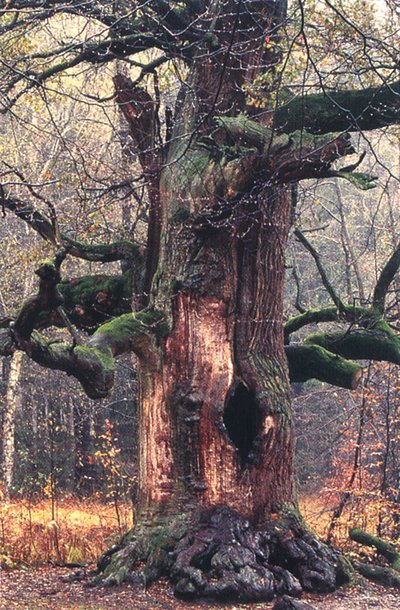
(79, 532)
(364, 510)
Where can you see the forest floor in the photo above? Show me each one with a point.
(44, 589)
(36, 536)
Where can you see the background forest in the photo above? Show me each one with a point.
(68, 462)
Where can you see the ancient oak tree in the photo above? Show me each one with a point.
(215, 508)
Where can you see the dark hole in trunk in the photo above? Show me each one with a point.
(242, 419)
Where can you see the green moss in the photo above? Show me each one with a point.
(250, 132)
(130, 323)
(343, 110)
(84, 290)
(105, 252)
(185, 178)
(102, 357)
(303, 139)
(47, 262)
(351, 313)
(361, 180)
(384, 576)
(384, 548)
(314, 361)
(374, 344)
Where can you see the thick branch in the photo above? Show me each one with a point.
(48, 298)
(371, 339)
(87, 302)
(314, 362)
(141, 113)
(385, 279)
(93, 364)
(122, 249)
(139, 109)
(351, 313)
(297, 156)
(241, 153)
(91, 300)
(378, 343)
(287, 158)
(384, 576)
(366, 109)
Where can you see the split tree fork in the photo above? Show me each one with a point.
(216, 510)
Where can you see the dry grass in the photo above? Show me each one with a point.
(78, 531)
(72, 531)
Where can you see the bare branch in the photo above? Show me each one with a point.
(324, 276)
(385, 279)
(105, 253)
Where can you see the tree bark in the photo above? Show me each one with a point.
(10, 408)
(215, 508)
(215, 495)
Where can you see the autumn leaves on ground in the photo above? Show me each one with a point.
(43, 543)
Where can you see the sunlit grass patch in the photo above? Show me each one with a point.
(72, 531)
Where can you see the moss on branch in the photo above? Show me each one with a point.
(91, 364)
(383, 576)
(220, 169)
(91, 300)
(241, 129)
(131, 332)
(106, 253)
(314, 362)
(385, 549)
(349, 313)
(378, 343)
(349, 110)
(368, 337)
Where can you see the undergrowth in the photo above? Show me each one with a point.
(77, 531)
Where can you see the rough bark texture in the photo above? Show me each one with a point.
(217, 553)
(215, 425)
(215, 505)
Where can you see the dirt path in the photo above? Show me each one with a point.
(43, 589)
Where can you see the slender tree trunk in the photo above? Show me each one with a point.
(13, 398)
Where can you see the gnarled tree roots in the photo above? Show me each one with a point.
(218, 554)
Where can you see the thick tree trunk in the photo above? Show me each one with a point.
(216, 412)
(215, 504)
